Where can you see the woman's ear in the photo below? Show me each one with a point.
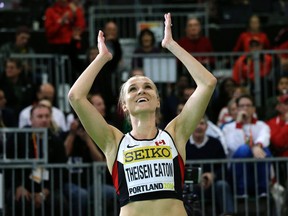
(124, 108)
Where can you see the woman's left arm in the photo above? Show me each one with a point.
(183, 125)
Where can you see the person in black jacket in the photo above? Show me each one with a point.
(38, 187)
(202, 147)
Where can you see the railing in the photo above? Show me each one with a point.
(127, 18)
(78, 188)
(9, 147)
(204, 203)
(43, 68)
(57, 69)
(221, 65)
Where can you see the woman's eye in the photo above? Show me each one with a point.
(132, 89)
(148, 87)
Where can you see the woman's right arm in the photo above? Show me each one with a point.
(102, 133)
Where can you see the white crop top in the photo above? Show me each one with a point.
(148, 169)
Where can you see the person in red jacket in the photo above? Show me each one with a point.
(194, 42)
(253, 31)
(243, 69)
(279, 128)
(64, 22)
(279, 135)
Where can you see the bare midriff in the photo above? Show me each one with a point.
(167, 207)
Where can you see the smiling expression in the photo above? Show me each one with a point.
(139, 93)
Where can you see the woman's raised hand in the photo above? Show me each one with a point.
(103, 50)
(167, 31)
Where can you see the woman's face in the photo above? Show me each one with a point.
(283, 85)
(193, 28)
(147, 40)
(140, 95)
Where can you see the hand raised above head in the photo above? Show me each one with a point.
(167, 31)
(103, 50)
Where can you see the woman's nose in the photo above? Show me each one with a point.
(141, 91)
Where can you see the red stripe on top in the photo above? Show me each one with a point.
(115, 177)
(182, 169)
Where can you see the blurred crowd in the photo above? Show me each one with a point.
(234, 127)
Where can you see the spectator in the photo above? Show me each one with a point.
(178, 95)
(225, 92)
(282, 89)
(248, 137)
(106, 84)
(279, 127)
(253, 32)
(279, 134)
(45, 91)
(7, 116)
(229, 112)
(37, 190)
(146, 41)
(243, 69)
(18, 89)
(64, 24)
(211, 131)
(195, 42)
(203, 147)
(114, 46)
(20, 45)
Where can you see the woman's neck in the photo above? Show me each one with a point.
(144, 128)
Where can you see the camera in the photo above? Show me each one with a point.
(192, 175)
